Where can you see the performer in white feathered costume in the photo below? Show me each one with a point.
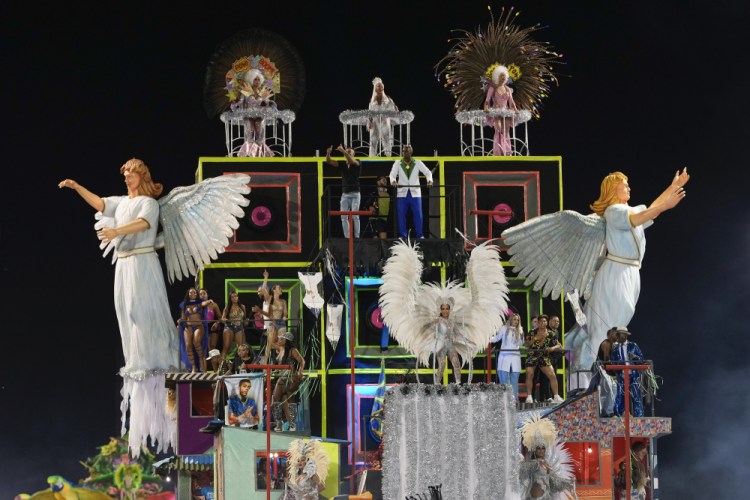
(307, 469)
(547, 469)
(443, 320)
(197, 221)
(599, 255)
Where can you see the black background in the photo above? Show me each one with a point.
(652, 87)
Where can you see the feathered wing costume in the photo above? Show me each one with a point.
(300, 484)
(467, 68)
(197, 223)
(552, 476)
(411, 308)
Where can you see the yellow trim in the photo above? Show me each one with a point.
(254, 265)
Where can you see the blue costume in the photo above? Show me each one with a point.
(622, 354)
(183, 348)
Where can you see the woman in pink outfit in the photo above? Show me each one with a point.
(500, 96)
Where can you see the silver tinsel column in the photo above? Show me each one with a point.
(461, 437)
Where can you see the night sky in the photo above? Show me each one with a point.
(647, 88)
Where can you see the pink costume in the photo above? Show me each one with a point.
(255, 140)
(501, 142)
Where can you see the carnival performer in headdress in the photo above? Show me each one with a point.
(429, 319)
(307, 469)
(254, 96)
(500, 96)
(498, 76)
(128, 225)
(381, 136)
(547, 469)
(562, 251)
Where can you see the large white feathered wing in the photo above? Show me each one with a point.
(479, 310)
(558, 251)
(402, 282)
(198, 220)
(562, 480)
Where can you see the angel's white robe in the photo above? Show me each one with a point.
(148, 333)
(617, 283)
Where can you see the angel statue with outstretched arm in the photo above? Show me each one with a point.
(598, 255)
(197, 222)
(454, 320)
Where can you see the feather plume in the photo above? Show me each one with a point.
(464, 69)
(248, 43)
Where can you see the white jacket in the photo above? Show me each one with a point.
(399, 175)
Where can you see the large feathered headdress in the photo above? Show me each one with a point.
(317, 458)
(257, 51)
(537, 432)
(468, 66)
(410, 308)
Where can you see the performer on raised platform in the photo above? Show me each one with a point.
(626, 352)
(211, 315)
(350, 195)
(288, 382)
(235, 320)
(192, 331)
(541, 344)
(500, 96)
(381, 136)
(254, 96)
(405, 176)
(509, 359)
(469, 316)
(277, 314)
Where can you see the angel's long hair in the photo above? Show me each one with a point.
(147, 187)
(608, 195)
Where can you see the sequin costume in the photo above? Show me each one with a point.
(236, 318)
(617, 284)
(632, 353)
(533, 473)
(304, 487)
(192, 307)
(541, 357)
(381, 136)
(501, 142)
(146, 326)
(255, 143)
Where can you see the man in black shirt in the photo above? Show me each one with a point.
(350, 196)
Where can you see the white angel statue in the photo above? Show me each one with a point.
(197, 221)
(598, 255)
(445, 320)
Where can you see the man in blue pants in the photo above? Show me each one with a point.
(405, 176)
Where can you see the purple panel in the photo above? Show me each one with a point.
(189, 440)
